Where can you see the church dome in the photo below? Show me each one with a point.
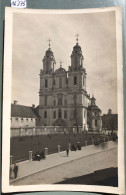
(77, 46)
(49, 53)
(60, 70)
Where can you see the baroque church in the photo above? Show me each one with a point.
(63, 99)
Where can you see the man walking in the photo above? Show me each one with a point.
(67, 151)
(15, 170)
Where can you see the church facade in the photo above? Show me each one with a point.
(63, 99)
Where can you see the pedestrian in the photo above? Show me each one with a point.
(15, 170)
(11, 170)
(67, 151)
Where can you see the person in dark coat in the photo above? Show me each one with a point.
(15, 170)
(67, 151)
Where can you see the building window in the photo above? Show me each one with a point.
(59, 113)
(65, 114)
(16, 119)
(45, 114)
(21, 119)
(74, 114)
(31, 119)
(59, 100)
(96, 123)
(75, 80)
(54, 102)
(46, 83)
(65, 102)
(54, 114)
(75, 99)
(45, 100)
(60, 82)
(26, 119)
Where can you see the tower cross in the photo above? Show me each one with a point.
(61, 64)
(49, 42)
(77, 35)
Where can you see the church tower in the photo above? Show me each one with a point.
(76, 57)
(94, 116)
(48, 60)
(77, 87)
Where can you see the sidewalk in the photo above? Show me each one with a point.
(27, 168)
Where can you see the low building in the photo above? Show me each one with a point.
(23, 119)
(110, 121)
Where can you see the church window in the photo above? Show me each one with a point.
(60, 82)
(46, 83)
(45, 100)
(65, 114)
(75, 80)
(75, 99)
(59, 113)
(54, 102)
(45, 114)
(54, 114)
(74, 114)
(96, 123)
(59, 100)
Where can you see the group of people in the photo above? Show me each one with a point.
(39, 155)
(75, 147)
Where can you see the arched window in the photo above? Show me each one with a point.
(54, 102)
(60, 82)
(59, 113)
(96, 123)
(45, 114)
(59, 100)
(65, 102)
(54, 114)
(45, 101)
(75, 80)
(65, 114)
(75, 99)
(46, 83)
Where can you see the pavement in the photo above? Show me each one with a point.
(27, 168)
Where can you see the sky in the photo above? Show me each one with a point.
(97, 38)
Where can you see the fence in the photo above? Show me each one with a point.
(42, 130)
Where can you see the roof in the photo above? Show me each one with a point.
(23, 111)
(60, 70)
(95, 108)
